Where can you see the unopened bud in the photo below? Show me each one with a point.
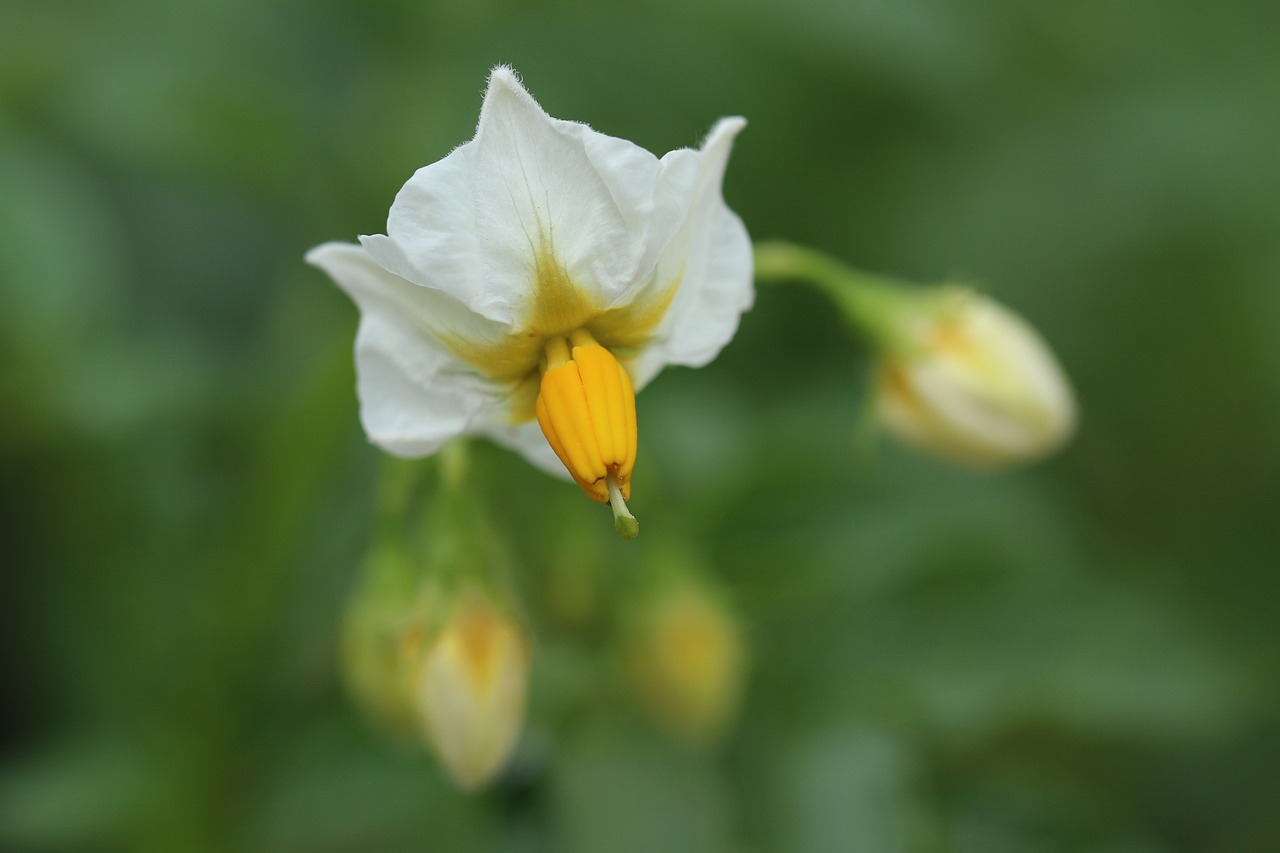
(470, 688)
(972, 382)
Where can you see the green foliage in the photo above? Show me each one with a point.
(1079, 656)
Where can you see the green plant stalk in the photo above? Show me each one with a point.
(870, 303)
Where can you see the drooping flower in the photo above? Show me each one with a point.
(535, 278)
(972, 382)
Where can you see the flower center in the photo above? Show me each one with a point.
(587, 410)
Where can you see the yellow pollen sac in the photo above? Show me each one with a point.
(587, 410)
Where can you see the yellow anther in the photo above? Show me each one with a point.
(587, 410)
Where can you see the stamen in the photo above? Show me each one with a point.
(582, 338)
(587, 410)
(556, 353)
(623, 521)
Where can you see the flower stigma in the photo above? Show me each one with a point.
(586, 408)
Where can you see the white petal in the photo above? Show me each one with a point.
(527, 440)
(434, 239)
(712, 255)
(473, 224)
(653, 197)
(414, 394)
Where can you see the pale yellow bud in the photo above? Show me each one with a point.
(973, 383)
(470, 690)
(687, 659)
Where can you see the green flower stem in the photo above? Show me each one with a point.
(397, 481)
(869, 302)
(425, 516)
(433, 534)
(455, 462)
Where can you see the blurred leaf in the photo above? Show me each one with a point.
(612, 791)
(850, 790)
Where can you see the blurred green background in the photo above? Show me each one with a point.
(1082, 655)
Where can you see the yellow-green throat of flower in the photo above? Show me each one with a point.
(587, 410)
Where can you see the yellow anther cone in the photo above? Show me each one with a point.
(587, 410)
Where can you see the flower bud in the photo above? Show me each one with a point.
(469, 689)
(687, 658)
(971, 382)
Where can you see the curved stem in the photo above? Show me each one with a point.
(868, 301)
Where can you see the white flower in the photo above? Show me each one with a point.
(470, 691)
(972, 382)
(524, 266)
